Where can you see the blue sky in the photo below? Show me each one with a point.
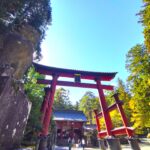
(93, 35)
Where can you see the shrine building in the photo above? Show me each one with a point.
(69, 123)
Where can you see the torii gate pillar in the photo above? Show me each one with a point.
(113, 143)
(47, 111)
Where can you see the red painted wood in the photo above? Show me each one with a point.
(75, 84)
(111, 108)
(97, 121)
(71, 73)
(102, 134)
(123, 116)
(44, 110)
(45, 104)
(103, 104)
(48, 113)
(116, 132)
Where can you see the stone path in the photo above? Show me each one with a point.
(144, 145)
(124, 147)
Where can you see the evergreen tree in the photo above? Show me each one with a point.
(145, 20)
(76, 107)
(61, 100)
(124, 96)
(138, 65)
(87, 104)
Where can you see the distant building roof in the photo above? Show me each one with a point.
(90, 127)
(69, 115)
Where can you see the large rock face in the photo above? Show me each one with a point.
(16, 50)
(14, 112)
(16, 56)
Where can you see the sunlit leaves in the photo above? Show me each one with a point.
(124, 96)
(35, 93)
(145, 19)
(138, 64)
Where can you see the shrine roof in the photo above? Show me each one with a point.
(69, 115)
(90, 127)
(47, 70)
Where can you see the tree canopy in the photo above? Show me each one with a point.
(124, 96)
(15, 13)
(87, 104)
(35, 93)
(138, 65)
(61, 100)
(145, 20)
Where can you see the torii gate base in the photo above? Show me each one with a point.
(42, 145)
(98, 77)
(102, 144)
(134, 143)
(114, 143)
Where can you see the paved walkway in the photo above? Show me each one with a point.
(144, 145)
(124, 147)
(66, 148)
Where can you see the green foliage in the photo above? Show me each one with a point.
(145, 20)
(35, 93)
(76, 107)
(138, 65)
(16, 13)
(61, 100)
(87, 104)
(123, 96)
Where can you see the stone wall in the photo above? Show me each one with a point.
(14, 113)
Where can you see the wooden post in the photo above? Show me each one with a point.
(97, 121)
(45, 103)
(103, 104)
(47, 116)
(48, 113)
(123, 116)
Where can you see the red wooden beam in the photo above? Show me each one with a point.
(102, 134)
(70, 73)
(122, 114)
(97, 121)
(116, 132)
(75, 84)
(45, 104)
(111, 108)
(103, 104)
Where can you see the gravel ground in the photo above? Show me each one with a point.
(144, 145)
(124, 147)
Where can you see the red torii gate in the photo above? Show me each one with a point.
(98, 77)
